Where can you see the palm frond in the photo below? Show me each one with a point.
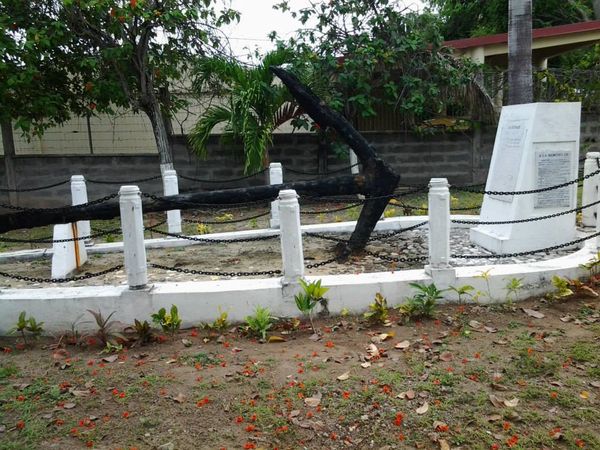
(200, 133)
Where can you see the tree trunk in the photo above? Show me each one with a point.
(8, 143)
(163, 143)
(520, 81)
(381, 179)
(346, 185)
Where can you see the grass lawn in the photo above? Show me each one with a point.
(473, 377)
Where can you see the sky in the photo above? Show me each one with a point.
(259, 19)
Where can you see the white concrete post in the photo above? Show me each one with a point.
(275, 177)
(132, 224)
(353, 160)
(439, 223)
(79, 197)
(590, 189)
(291, 237)
(171, 187)
(439, 268)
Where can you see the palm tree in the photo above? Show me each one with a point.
(520, 80)
(254, 105)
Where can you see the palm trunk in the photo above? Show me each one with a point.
(9, 164)
(520, 81)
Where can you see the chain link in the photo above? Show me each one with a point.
(124, 182)
(394, 233)
(40, 188)
(214, 273)
(227, 180)
(532, 191)
(326, 211)
(530, 252)
(530, 219)
(396, 258)
(87, 276)
(321, 264)
(220, 222)
(206, 205)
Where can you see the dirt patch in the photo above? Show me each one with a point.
(523, 383)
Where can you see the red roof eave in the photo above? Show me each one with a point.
(482, 41)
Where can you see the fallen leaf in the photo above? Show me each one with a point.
(478, 326)
(446, 356)
(294, 413)
(372, 350)
(584, 395)
(566, 318)
(186, 342)
(443, 444)
(69, 405)
(402, 345)
(556, 434)
(110, 359)
(365, 365)
(496, 401)
(275, 339)
(494, 418)
(501, 342)
(511, 403)
(170, 361)
(491, 329)
(595, 384)
(314, 337)
(499, 387)
(533, 313)
(79, 393)
(313, 401)
(344, 376)
(180, 398)
(423, 408)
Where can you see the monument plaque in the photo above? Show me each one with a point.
(553, 167)
(536, 147)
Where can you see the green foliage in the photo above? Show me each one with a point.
(378, 310)
(513, 287)
(311, 295)
(221, 323)
(143, 331)
(423, 303)
(25, 325)
(260, 322)
(374, 56)
(463, 292)
(592, 265)
(169, 323)
(106, 332)
(112, 348)
(254, 104)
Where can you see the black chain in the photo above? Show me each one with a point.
(49, 240)
(533, 191)
(87, 276)
(394, 233)
(530, 252)
(124, 182)
(530, 219)
(320, 264)
(229, 180)
(397, 259)
(316, 174)
(325, 211)
(40, 188)
(213, 241)
(213, 273)
(220, 222)
(326, 237)
(60, 208)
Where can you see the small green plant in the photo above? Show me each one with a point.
(225, 217)
(389, 212)
(260, 322)
(345, 312)
(143, 331)
(106, 332)
(562, 288)
(253, 223)
(423, 303)
(485, 275)
(112, 348)
(462, 292)
(378, 310)
(220, 324)
(592, 265)
(169, 323)
(311, 295)
(513, 287)
(25, 325)
(202, 228)
(353, 214)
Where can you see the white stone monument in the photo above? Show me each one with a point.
(67, 257)
(537, 146)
